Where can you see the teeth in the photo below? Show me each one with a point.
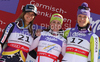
(81, 22)
(29, 18)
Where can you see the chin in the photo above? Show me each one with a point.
(81, 25)
(56, 30)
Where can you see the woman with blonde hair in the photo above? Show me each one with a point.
(50, 43)
(81, 39)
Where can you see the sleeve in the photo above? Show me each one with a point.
(6, 33)
(33, 54)
(64, 47)
(94, 47)
(35, 43)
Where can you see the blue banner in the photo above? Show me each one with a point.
(99, 54)
(9, 5)
(95, 22)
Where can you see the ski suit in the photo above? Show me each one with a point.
(49, 47)
(79, 44)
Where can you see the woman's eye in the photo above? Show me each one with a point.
(84, 17)
(53, 22)
(58, 23)
(79, 16)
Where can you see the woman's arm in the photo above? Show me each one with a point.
(35, 43)
(94, 47)
(64, 47)
(6, 33)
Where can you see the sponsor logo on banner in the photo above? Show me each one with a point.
(1, 29)
(2, 22)
(95, 22)
(48, 14)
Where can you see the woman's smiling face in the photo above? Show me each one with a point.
(29, 16)
(82, 20)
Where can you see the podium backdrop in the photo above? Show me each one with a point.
(11, 9)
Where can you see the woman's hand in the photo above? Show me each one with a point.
(38, 32)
